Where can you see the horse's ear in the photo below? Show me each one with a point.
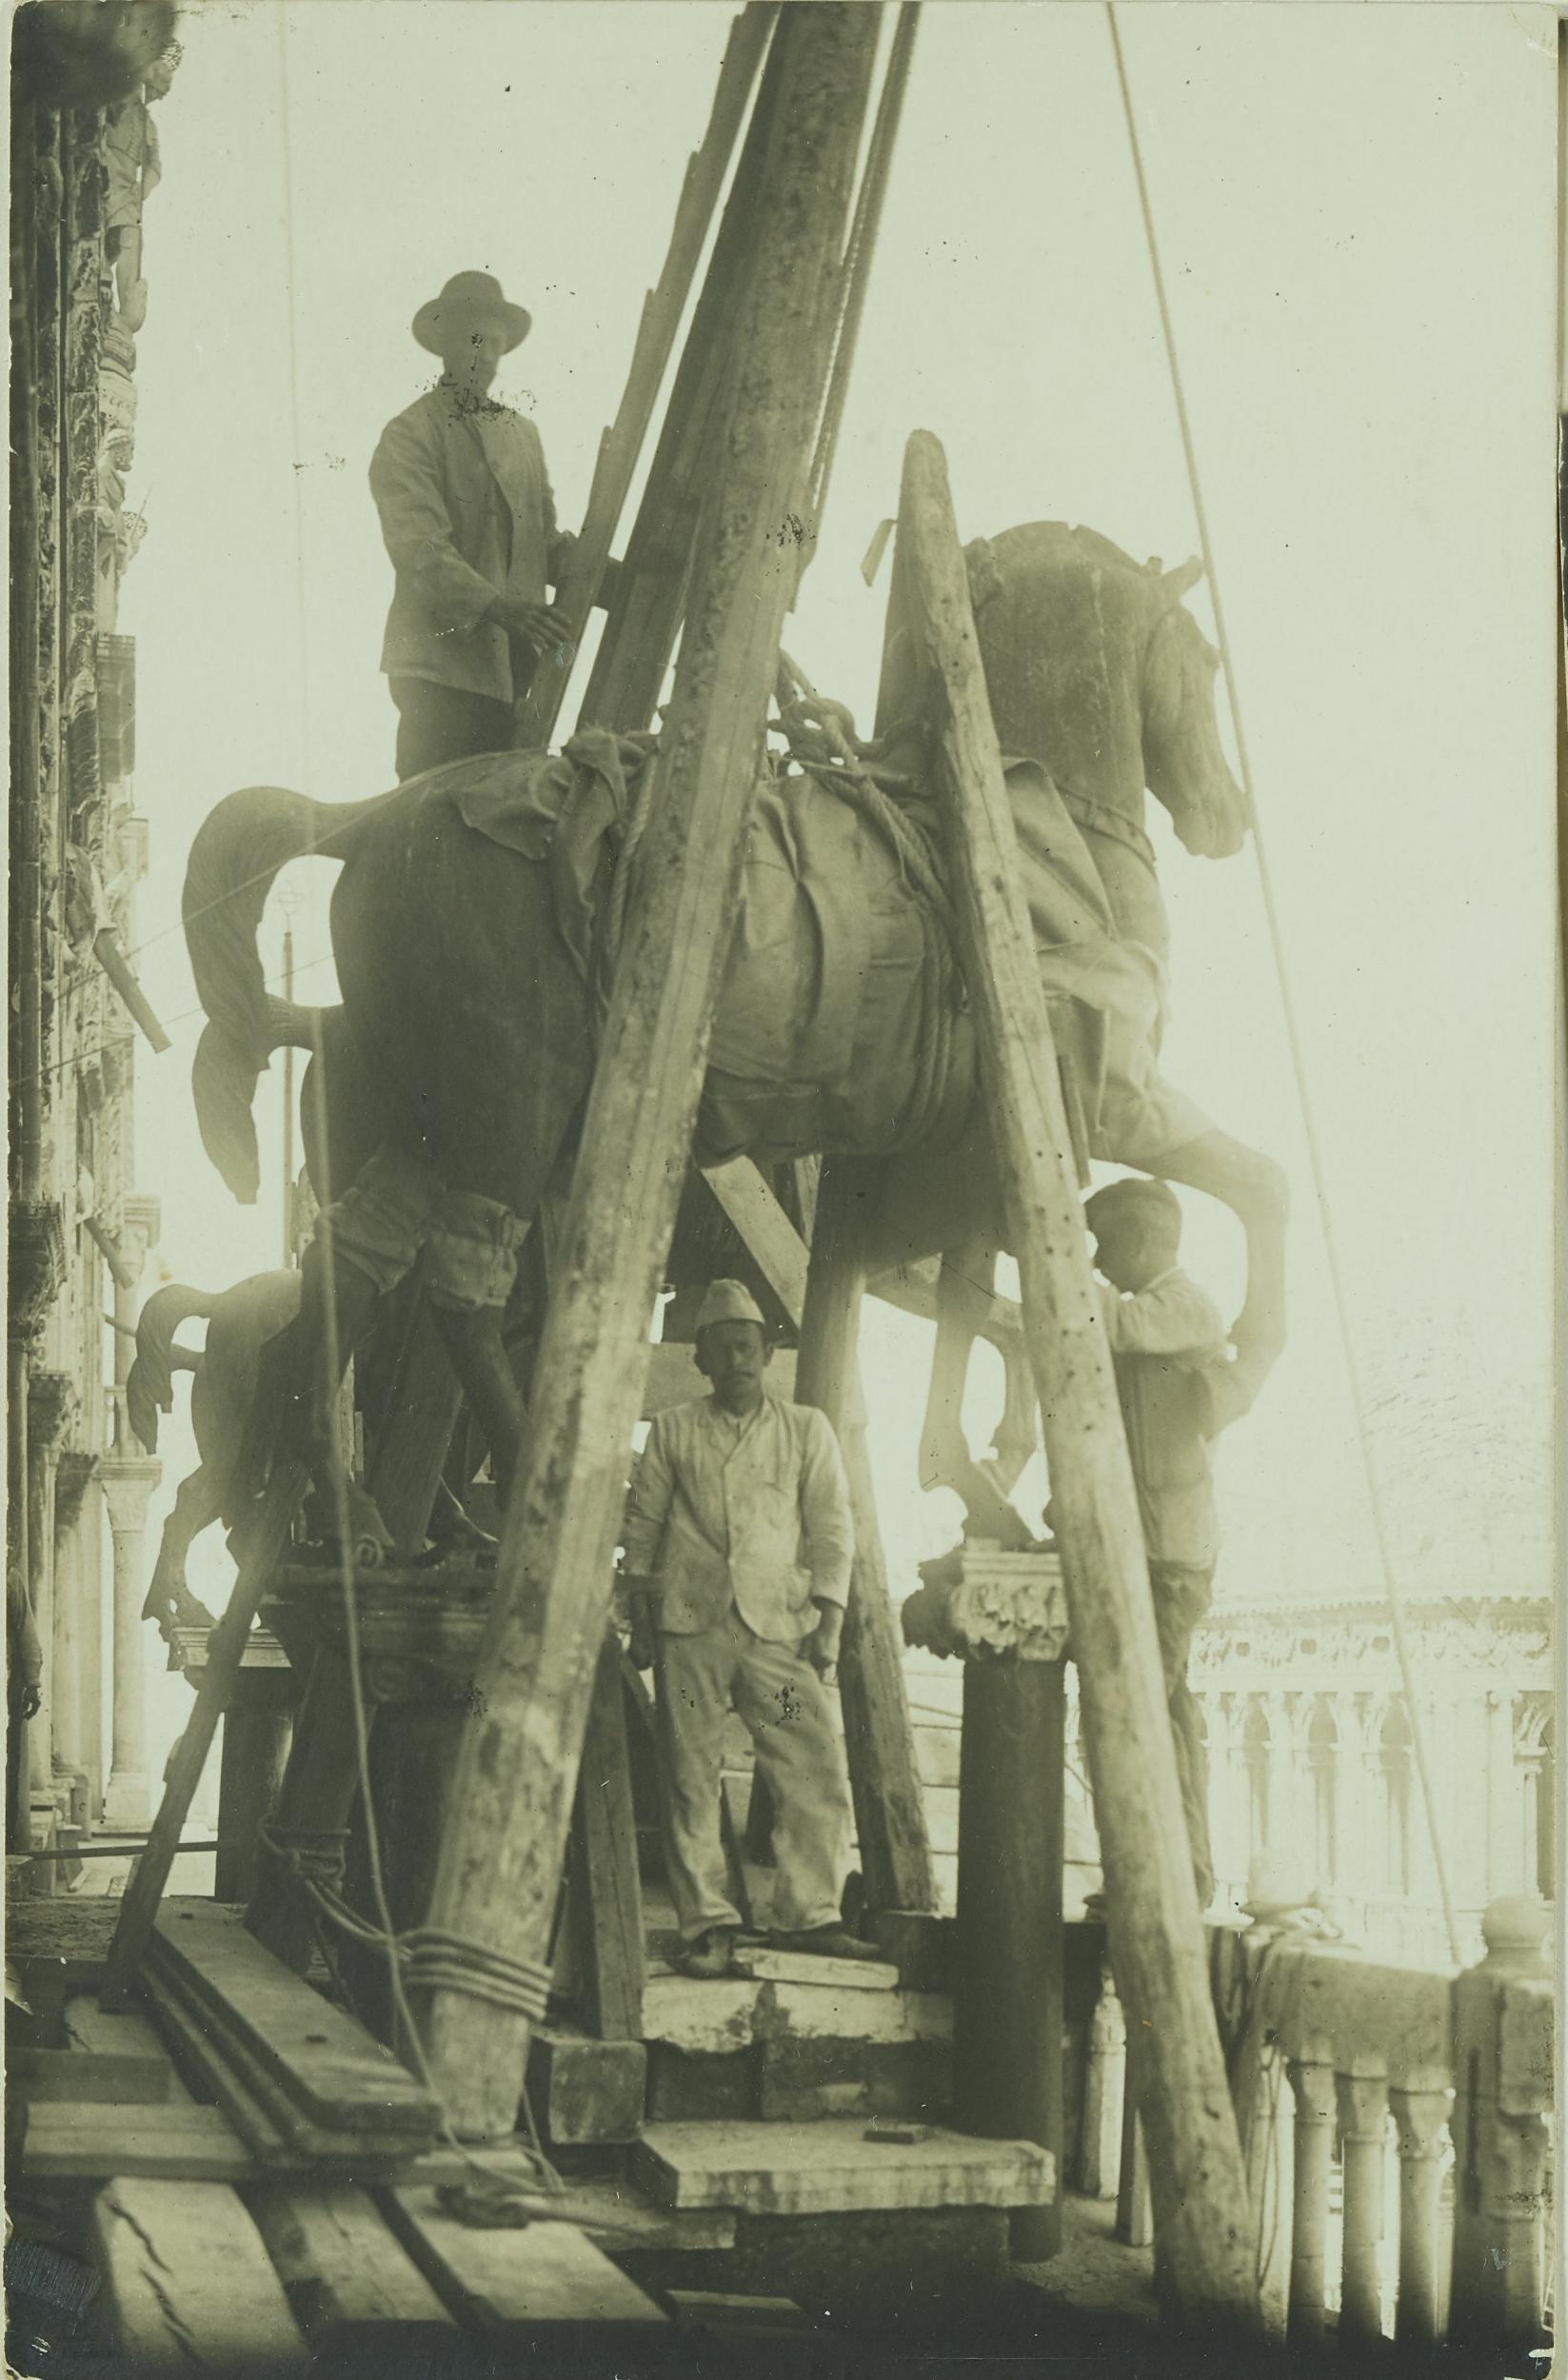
(1182, 580)
(986, 578)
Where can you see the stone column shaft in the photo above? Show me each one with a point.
(128, 1484)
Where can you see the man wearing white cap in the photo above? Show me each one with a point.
(468, 518)
(738, 1548)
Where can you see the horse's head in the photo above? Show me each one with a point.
(1182, 756)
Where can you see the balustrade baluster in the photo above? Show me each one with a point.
(1100, 2136)
(1312, 2083)
(1420, 2115)
(1363, 2128)
(1502, 2074)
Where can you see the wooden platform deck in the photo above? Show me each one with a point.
(259, 2187)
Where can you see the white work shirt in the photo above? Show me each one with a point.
(1166, 1339)
(753, 1512)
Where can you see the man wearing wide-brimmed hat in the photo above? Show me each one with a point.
(738, 1546)
(469, 519)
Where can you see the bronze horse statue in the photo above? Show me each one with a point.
(240, 1322)
(472, 905)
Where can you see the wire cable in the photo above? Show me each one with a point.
(1293, 1035)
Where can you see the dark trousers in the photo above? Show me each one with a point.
(438, 724)
(1181, 1598)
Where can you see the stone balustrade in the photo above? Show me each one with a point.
(1395, 2122)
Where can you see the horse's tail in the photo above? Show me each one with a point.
(149, 1383)
(236, 855)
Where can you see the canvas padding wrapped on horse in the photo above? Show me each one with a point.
(840, 1025)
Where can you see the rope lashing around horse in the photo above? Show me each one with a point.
(819, 733)
(1292, 1035)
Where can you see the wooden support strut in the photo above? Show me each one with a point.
(644, 616)
(268, 1536)
(662, 311)
(1196, 2172)
(518, 1767)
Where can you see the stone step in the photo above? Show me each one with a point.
(833, 2166)
(733, 2012)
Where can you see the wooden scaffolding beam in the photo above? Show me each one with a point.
(661, 310)
(501, 1859)
(1196, 2170)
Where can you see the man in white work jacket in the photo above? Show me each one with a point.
(738, 1548)
(1179, 1384)
(468, 518)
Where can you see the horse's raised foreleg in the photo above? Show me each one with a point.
(964, 1305)
(1254, 1187)
(1018, 1433)
(170, 1603)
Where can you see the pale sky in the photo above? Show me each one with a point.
(1355, 208)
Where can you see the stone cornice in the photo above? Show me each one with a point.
(51, 1409)
(36, 1265)
(1372, 1612)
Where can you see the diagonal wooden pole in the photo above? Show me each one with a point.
(661, 310)
(1197, 2177)
(266, 1537)
(501, 1858)
(644, 615)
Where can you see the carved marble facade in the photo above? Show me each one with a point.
(79, 1237)
(1314, 1768)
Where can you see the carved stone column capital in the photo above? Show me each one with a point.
(980, 1603)
(129, 1482)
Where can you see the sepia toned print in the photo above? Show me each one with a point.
(780, 1540)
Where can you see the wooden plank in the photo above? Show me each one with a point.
(88, 2076)
(1156, 1943)
(190, 2282)
(330, 2066)
(834, 1974)
(221, 2071)
(73, 2142)
(750, 1201)
(520, 1753)
(583, 2091)
(895, 1851)
(266, 1537)
(617, 2217)
(609, 1823)
(661, 319)
(103, 2034)
(539, 2278)
(830, 2167)
(356, 2290)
